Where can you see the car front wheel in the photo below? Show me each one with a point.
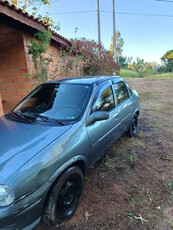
(64, 197)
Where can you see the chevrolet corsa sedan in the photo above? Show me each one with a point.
(50, 140)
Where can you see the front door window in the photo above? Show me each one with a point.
(105, 101)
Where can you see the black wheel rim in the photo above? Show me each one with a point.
(68, 198)
(134, 126)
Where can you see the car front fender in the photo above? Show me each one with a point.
(67, 164)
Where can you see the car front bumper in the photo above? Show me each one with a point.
(25, 213)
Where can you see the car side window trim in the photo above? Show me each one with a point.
(129, 89)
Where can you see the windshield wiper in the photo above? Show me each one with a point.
(44, 118)
(20, 116)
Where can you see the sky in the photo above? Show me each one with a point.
(145, 36)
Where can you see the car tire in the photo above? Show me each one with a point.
(64, 197)
(133, 129)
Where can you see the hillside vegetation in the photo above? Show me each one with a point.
(125, 73)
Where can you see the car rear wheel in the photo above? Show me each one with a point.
(133, 129)
(64, 197)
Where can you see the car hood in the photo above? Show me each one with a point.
(19, 142)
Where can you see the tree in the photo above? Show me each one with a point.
(124, 61)
(34, 6)
(119, 44)
(167, 59)
(96, 59)
(30, 4)
(141, 67)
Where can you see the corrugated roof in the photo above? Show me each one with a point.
(11, 10)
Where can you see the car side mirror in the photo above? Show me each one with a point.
(97, 116)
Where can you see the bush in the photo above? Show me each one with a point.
(96, 59)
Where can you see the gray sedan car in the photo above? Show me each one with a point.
(50, 140)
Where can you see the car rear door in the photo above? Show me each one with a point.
(124, 104)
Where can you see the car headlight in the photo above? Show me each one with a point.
(6, 195)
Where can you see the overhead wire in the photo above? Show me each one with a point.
(164, 1)
(123, 13)
(76, 12)
(142, 14)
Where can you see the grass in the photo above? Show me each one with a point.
(125, 73)
(160, 76)
(145, 96)
(170, 185)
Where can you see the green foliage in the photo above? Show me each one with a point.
(133, 158)
(35, 5)
(49, 21)
(65, 64)
(171, 224)
(83, 56)
(170, 185)
(125, 73)
(71, 61)
(139, 65)
(142, 67)
(27, 4)
(37, 49)
(40, 46)
(167, 59)
(162, 69)
(124, 61)
(168, 56)
(149, 70)
(27, 75)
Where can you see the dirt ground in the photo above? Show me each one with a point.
(132, 187)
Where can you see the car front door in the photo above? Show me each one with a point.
(102, 134)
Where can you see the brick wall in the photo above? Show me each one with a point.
(13, 85)
(29, 62)
(15, 62)
(55, 54)
(61, 64)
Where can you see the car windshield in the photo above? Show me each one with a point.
(59, 101)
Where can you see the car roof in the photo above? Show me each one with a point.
(87, 80)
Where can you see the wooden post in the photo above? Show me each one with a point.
(98, 22)
(114, 32)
